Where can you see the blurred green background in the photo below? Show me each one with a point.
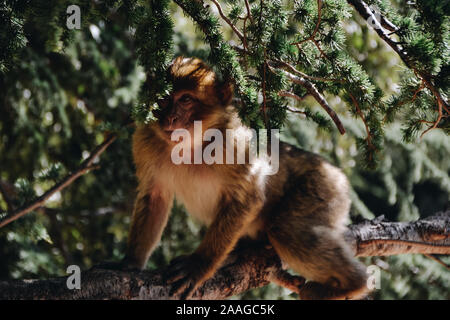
(55, 105)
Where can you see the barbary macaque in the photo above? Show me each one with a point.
(300, 210)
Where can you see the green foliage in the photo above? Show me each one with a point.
(225, 59)
(12, 37)
(154, 36)
(62, 89)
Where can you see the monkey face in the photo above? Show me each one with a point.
(179, 111)
(197, 96)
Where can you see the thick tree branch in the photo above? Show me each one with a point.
(382, 238)
(250, 267)
(85, 167)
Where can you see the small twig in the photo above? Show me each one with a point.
(433, 257)
(363, 9)
(425, 121)
(249, 15)
(288, 94)
(363, 118)
(245, 33)
(422, 85)
(240, 49)
(400, 103)
(228, 21)
(292, 69)
(320, 49)
(312, 36)
(85, 166)
(296, 111)
(440, 115)
(434, 126)
(264, 89)
(284, 93)
(361, 115)
(312, 90)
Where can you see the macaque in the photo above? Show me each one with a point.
(301, 210)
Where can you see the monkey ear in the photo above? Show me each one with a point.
(225, 92)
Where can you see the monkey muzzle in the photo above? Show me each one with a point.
(177, 118)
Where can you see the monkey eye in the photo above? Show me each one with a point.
(163, 102)
(186, 99)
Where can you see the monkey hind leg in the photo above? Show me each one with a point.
(324, 259)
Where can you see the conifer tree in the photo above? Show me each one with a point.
(295, 66)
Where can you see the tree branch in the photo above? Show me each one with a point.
(363, 9)
(228, 21)
(316, 28)
(312, 90)
(247, 268)
(85, 166)
(382, 238)
(292, 69)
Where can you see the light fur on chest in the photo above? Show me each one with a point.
(198, 190)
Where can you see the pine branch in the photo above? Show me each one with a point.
(224, 57)
(249, 14)
(292, 69)
(313, 35)
(224, 17)
(85, 167)
(248, 267)
(363, 9)
(435, 258)
(366, 125)
(312, 90)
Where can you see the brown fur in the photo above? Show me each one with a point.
(301, 210)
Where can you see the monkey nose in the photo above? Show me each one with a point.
(171, 120)
(170, 123)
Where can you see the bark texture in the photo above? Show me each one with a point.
(249, 267)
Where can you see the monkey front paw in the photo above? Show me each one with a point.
(185, 274)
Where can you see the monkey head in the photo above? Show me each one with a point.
(197, 95)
